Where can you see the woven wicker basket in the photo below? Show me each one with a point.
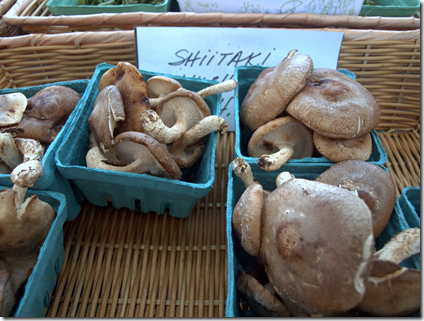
(5, 29)
(114, 266)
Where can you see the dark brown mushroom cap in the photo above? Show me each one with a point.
(108, 109)
(46, 114)
(273, 89)
(246, 218)
(23, 233)
(316, 244)
(335, 105)
(259, 299)
(130, 83)
(132, 146)
(338, 149)
(372, 183)
(391, 290)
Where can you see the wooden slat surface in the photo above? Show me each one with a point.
(122, 263)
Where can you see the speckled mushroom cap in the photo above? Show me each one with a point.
(335, 105)
(371, 183)
(259, 299)
(274, 88)
(246, 219)
(277, 135)
(339, 149)
(132, 86)
(316, 244)
(391, 291)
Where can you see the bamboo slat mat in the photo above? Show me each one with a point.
(122, 263)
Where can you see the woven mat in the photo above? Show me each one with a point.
(122, 263)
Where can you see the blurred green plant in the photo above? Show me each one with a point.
(116, 2)
(370, 3)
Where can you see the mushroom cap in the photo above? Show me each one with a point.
(12, 107)
(132, 87)
(282, 130)
(107, 111)
(372, 184)
(132, 146)
(46, 114)
(260, 300)
(182, 102)
(338, 149)
(24, 229)
(246, 219)
(335, 105)
(391, 290)
(316, 244)
(274, 88)
(159, 86)
(7, 297)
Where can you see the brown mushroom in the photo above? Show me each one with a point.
(370, 182)
(280, 140)
(141, 153)
(132, 87)
(176, 112)
(273, 90)
(12, 107)
(316, 242)
(335, 105)
(7, 297)
(261, 299)
(160, 86)
(338, 149)
(46, 114)
(246, 218)
(108, 110)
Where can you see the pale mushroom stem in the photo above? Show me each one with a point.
(9, 151)
(154, 102)
(242, 169)
(283, 177)
(402, 246)
(31, 149)
(204, 127)
(274, 161)
(222, 87)
(154, 126)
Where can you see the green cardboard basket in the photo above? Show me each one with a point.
(393, 8)
(71, 7)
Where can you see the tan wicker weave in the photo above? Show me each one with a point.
(5, 29)
(34, 17)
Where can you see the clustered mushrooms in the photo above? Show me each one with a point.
(24, 226)
(129, 135)
(32, 123)
(338, 112)
(314, 241)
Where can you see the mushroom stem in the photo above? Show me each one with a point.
(31, 149)
(154, 126)
(222, 87)
(274, 161)
(283, 177)
(402, 246)
(290, 54)
(243, 171)
(9, 151)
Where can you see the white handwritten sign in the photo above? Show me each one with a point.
(214, 53)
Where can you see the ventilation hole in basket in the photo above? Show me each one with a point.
(137, 205)
(46, 299)
(57, 266)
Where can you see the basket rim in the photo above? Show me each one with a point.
(13, 17)
(95, 37)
